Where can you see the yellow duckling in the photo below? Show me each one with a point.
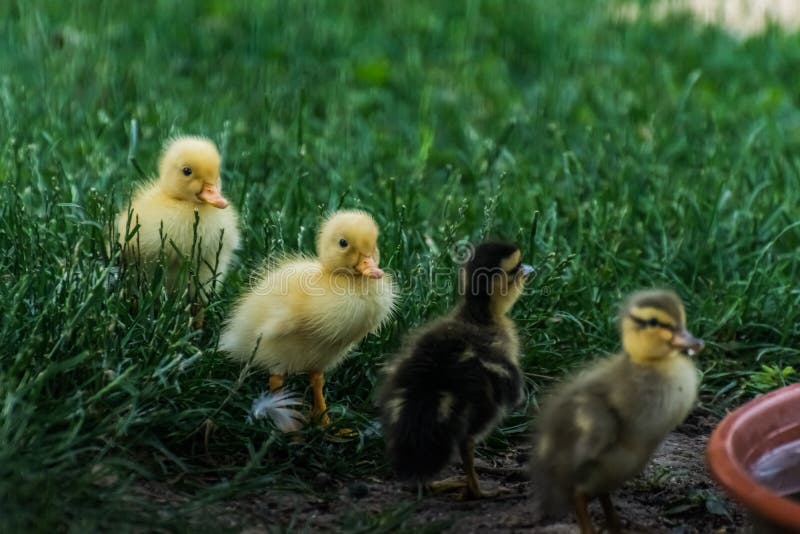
(305, 314)
(188, 183)
(458, 375)
(599, 429)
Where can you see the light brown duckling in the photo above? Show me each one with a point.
(600, 428)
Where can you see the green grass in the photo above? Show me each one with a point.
(617, 155)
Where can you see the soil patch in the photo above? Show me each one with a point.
(674, 494)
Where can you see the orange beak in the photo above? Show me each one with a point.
(367, 267)
(211, 194)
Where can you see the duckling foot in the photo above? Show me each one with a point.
(342, 435)
(198, 316)
(472, 494)
(320, 411)
(469, 492)
(320, 418)
(582, 512)
(275, 382)
(612, 519)
(448, 484)
(472, 489)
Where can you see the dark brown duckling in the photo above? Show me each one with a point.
(458, 375)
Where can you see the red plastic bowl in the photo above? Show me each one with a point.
(747, 444)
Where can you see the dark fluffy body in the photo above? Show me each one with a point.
(473, 363)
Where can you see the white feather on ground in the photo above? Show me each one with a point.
(279, 408)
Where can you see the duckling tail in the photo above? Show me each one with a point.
(422, 431)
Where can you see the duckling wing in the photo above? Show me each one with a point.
(596, 428)
(298, 320)
(273, 310)
(575, 432)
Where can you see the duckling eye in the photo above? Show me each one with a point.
(343, 243)
(186, 171)
(651, 323)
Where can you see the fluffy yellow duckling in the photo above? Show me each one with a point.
(188, 183)
(599, 429)
(305, 314)
(458, 375)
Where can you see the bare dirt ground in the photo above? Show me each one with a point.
(673, 495)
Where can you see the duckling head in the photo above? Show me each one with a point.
(653, 325)
(348, 242)
(189, 170)
(493, 279)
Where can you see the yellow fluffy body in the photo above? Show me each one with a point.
(303, 315)
(165, 209)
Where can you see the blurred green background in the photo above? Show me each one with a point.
(619, 154)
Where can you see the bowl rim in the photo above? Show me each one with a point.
(734, 477)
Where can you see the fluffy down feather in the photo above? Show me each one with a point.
(163, 215)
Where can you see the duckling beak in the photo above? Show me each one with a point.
(211, 194)
(367, 267)
(686, 342)
(526, 269)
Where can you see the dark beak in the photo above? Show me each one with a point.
(686, 342)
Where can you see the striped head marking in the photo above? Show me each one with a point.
(654, 327)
